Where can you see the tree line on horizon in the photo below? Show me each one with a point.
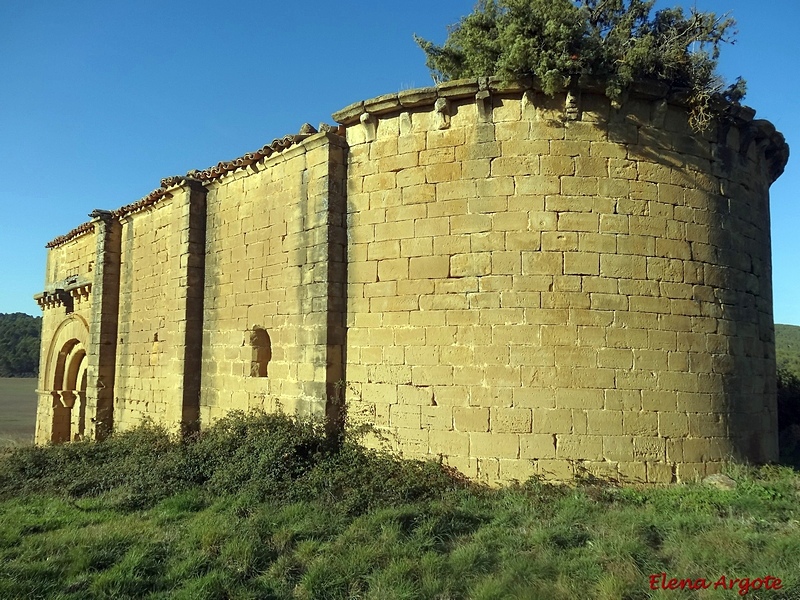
(20, 335)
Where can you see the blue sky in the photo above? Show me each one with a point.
(100, 100)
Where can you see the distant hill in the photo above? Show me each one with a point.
(19, 345)
(787, 348)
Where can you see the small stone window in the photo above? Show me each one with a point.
(262, 352)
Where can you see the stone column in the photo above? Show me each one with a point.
(321, 293)
(337, 283)
(193, 242)
(101, 353)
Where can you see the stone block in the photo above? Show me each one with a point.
(412, 442)
(578, 221)
(581, 263)
(494, 445)
(510, 420)
(623, 266)
(580, 186)
(508, 166)
(556, 469)
(487, 205)
(433, 227)
(559, 241)
(551, 421)
(506, 263)
(707, 425)
(414, 248)
(471, 419)
(431, 375)
(393, 269)
(383, 250)
(569, 147)
(487, 241)
(632, 472)
(413, 395)
(537, 446)
(395, 230)
(438, 418)
(437, 173)
(435, 156)
(535, 185)
(516, 470)
(579, 447)
(472, 264)
(405, 416)
(640, 423)
(452, 244)
(415, 190)
(429, 267)
(597, 242)
(649, 448)
(580, 398)
(475, 223)
(604, 422)
(586, 166)
(449, 443)
(496, 186)
(557, 165)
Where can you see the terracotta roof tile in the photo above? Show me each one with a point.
(67, 237)
(210, 174)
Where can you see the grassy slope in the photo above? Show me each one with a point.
(230, 515)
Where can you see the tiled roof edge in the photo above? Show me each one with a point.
(68, 237)
(219, 170)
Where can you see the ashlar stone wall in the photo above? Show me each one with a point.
(275, 263)
(537, 292)
(160, 310)
(519, 284)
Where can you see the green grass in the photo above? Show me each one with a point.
(263, 507)
(17, 410)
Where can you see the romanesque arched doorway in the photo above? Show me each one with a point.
(69, 393)
(64, 382)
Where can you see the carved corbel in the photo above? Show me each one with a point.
(528, 103)
(405, 123)
(370, 124)
(483, 100)
(65, 299)
(103, 215)
(660, 113)
(572, 105)
(442, 113)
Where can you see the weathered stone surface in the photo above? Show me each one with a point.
(477, 276)
(720, 481)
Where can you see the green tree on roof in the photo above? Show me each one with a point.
(614, 41)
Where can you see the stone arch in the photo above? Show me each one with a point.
(74, 327)
(261, 345)
(65, 379)
(75, 385)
